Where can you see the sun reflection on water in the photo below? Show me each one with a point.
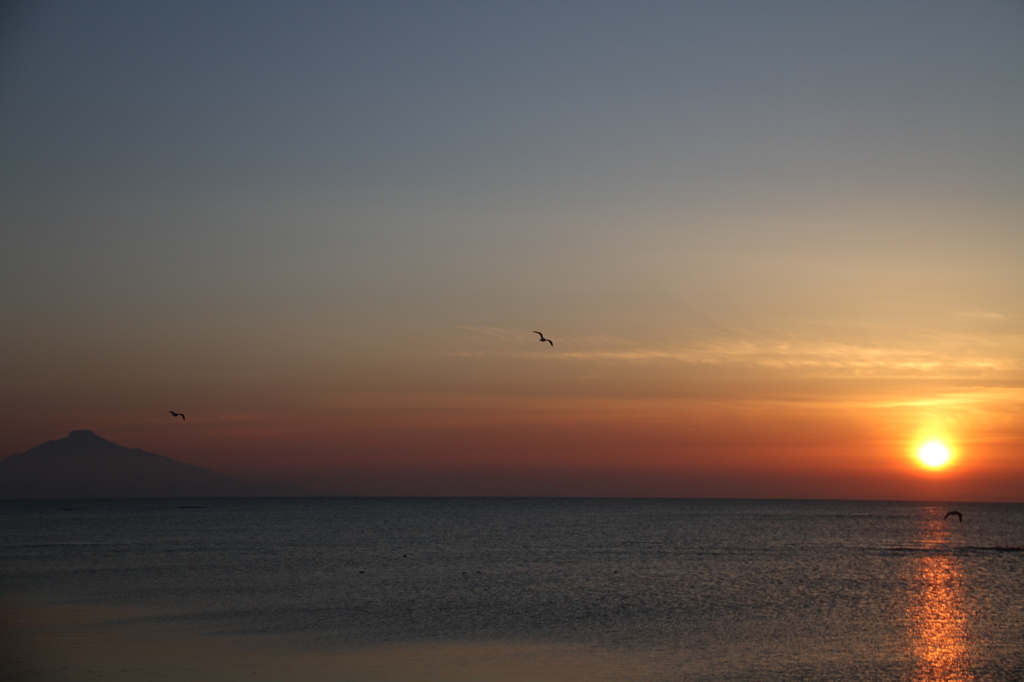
(940, 632)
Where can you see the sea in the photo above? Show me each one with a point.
(360, 590)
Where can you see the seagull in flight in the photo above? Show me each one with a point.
(177, 414)
(954, 513)
(542, 339)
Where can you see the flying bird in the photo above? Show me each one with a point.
(954, 513)
(177, 414)
(542, 339)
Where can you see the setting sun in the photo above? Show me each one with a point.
(933, 454)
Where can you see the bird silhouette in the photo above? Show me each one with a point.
(542, 339)
(954, 513)
(177, 414)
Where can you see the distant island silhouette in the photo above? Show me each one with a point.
(84, 465)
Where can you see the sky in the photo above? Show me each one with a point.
(777, 245)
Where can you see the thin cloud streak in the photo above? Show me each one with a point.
(940, 357)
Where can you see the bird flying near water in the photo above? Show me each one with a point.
(542, 339)
(954, 513)
(177, 414)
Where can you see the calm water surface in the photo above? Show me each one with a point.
(424, 589)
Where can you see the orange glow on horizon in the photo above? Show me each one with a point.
(726, 440)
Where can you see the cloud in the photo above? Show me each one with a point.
(826, 358)
(869, 352)
(983, 315)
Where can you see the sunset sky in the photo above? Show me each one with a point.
(777, 245)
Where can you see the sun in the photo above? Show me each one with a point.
(933, 454)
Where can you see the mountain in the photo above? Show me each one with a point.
(83, 465)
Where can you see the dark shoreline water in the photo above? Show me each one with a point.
(654, 589)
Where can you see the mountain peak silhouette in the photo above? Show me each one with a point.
(85, 434)
(84, 438)
(85, 465)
